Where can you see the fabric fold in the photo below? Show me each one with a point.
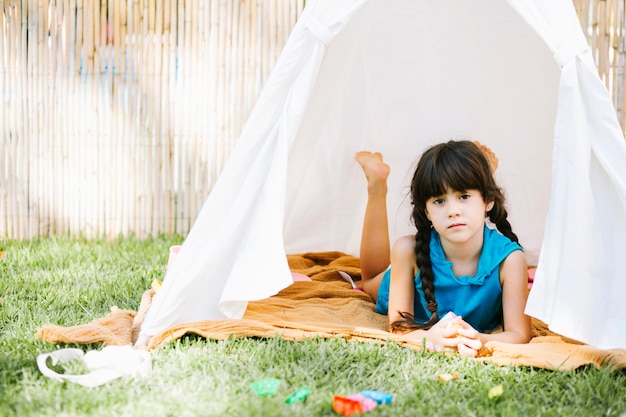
(328, 307)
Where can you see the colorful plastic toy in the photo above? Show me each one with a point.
(265, 387)
(346, 406)
(378, 396)
(299, 395)
(367, 404)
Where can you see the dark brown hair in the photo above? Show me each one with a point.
(459, 165)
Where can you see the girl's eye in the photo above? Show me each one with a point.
(438, 201)
(464, 196)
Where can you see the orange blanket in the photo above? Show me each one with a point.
(327, 306)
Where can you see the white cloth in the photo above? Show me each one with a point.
(240, 225)
(581, 278)
(396, 77)
(104, 365)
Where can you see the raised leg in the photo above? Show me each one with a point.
(375, 245)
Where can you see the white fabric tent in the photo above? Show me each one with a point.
(397, 76)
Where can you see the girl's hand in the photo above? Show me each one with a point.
(467, 338)
(453, 333)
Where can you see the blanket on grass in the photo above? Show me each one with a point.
(327, 306)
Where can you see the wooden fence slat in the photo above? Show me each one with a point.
(4, 134)
(22, 159)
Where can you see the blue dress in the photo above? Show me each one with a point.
(477, 299)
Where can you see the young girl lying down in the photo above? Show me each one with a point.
(456, 280)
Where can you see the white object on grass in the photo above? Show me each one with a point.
(105, 365)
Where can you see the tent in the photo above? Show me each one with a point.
(396, 76)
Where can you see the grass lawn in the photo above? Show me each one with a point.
(69, 282)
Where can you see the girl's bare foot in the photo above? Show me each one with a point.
(490, 155)
(376, 171)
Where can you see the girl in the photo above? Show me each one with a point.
(454, 263)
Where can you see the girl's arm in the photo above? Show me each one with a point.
(402, 295)
(514, 278)
(402, 284)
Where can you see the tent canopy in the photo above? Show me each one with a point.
(396, 77)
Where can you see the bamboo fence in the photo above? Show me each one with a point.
(117, 115)
(605, 23)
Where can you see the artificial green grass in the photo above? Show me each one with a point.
(73, 281)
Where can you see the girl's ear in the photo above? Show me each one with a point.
(490, 206)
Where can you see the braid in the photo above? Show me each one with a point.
(422, 256)
(498, 215)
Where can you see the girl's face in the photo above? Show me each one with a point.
(458, 216)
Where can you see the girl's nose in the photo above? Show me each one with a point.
(454, 209)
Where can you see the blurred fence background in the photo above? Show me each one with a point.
(117, 115)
